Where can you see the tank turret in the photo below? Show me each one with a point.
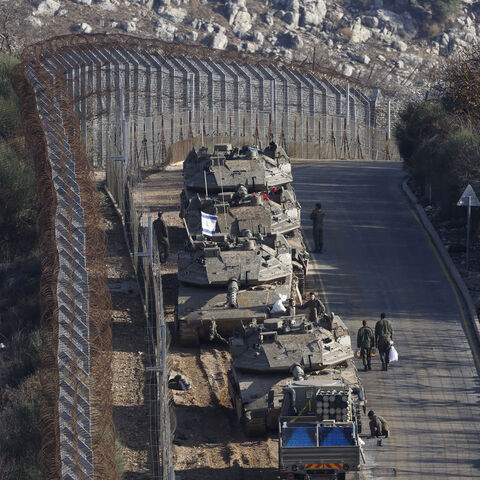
(225, 281)
(236, 211)
(227, 167)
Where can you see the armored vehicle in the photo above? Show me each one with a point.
(320, 424)
(224, 281)
(227, 167)
(277, 212)
(265, 358)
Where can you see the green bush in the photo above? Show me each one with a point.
(444, 9)
(17, 197)
(7, 63)
(418, 131)
(19, 436)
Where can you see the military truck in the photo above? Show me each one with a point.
(265, 358)
(227, 167)
(240, 211)
(224, 281)
(320, 424)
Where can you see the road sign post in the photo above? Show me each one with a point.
(468, 199)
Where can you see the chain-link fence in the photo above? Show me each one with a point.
(142, 244)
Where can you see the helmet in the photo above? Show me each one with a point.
(371, 413)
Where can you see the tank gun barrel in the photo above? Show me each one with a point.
(232, 293)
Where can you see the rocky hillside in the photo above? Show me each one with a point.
(391, 43)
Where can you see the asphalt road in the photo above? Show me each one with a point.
(377, 257)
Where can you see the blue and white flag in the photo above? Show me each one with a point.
(209, 224)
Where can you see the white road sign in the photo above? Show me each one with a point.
(463, 202)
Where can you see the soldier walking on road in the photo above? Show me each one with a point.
(317, 217)
(378, 425)
(365, 341)
(383, 337)
(316, 307)
(161, 232)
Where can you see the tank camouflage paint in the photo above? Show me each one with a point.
(264, 361)
(227, 167)
(260, 213)
(226, 281)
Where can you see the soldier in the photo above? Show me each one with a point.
(317, 217)
(161, 232)
(290, 312)
(365, 341)
(383, 336)
(316, 307)
(378, 425)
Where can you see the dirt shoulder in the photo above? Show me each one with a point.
(130, 352)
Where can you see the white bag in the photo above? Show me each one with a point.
(392, 355)
(278, 307)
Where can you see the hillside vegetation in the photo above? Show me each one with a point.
(438, 138)
(19, 291)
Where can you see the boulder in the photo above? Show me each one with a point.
(312, 12)
(242, 22)
(268, 19)
(174, 15)
(291, 18)
(360, 33)
(370, 21)
(166, 31)
(399, 45)
(129, 27)
(290, 40)
(360, 58)
(347, 70)
(48, 8)
(83, 2)
(258, 37)
(84, 28)
(217, 40)
(34, 21)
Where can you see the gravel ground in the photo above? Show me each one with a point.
(130, 352)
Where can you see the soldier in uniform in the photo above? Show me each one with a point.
(317, 217)
(383, 336)
(315, 306)
(290, 312)
(161, 232)
(378, 425)
(365, 341)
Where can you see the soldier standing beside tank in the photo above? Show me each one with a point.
(161, 232)
(383, 336)
(317, 217)
(365, 341)
(316, 307)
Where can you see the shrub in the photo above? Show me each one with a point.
(19, 436)
(444, 9)
(346, 33)
(418, 131)
(17, 194)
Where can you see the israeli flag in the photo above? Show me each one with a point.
(209, 224)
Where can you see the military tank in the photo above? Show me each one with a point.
(224, 281)
(239, 211)
(227, 167)
(267, 357)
